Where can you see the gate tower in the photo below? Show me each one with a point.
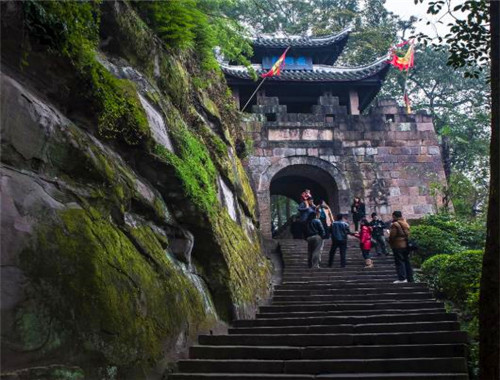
(315, 126)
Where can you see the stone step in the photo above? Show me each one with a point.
(329, 277)
(363, 282)
(361, 296)
(311, 366)
(342, 271)
(403, 303)
(349, 306)
(350, 285)
(349, 329)
(335, 339)
(345, 317)
(336, 323)
(349, 313)
(326, 352)
(351, 291)
(347, 376)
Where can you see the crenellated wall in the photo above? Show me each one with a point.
(387, 157)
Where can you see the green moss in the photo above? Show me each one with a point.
(193, 166)
(246, 194)
(70, 30)
(117, 301)
(249, 273)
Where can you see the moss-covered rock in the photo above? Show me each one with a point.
(118, 297)
(120, 249)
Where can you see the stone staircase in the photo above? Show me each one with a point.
(336, 323)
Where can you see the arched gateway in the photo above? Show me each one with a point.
(289, 176)
(309, 129)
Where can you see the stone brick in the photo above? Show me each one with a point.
(310, 134)
(394, 191)
(425, 127)
(371, 151)
(312, 152)
(289, 152)
(424, 209)
(326, 134)
(433, 150)
(300, 151)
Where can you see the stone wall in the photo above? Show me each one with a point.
(387, 157)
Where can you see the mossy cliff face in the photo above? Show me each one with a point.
(128, 223)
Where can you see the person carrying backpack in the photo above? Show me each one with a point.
(314, 233)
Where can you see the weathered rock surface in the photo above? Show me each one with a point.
(115, 255)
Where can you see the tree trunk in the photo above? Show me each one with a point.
(489, 315)
(446, 156)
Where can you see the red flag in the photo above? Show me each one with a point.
(276, 69)
(405, 62)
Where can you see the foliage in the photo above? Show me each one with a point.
(470, 233)
(200, 25)
(468, 41)
(432, 241)
(374, 26)
(461, 117)
(71, 30)
(445, 233)
(456, 278)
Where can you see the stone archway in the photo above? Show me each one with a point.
(289, 176)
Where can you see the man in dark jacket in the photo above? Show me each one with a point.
(340, 231)
(314, 233)
(378, 227)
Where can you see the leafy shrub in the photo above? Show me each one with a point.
(200, 25)
(469, 232)
(456, 278)
(433, 240)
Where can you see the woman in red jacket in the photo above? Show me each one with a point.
(365, 237)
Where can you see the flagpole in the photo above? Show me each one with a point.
(261, 83)
(405, 93)
(251, 96)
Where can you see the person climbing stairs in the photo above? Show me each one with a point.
(336, 323)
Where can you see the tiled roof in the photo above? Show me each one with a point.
(319, 73)
(300, 41)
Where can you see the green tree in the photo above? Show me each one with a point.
(374, 27)
(460, 113)
(466, 40)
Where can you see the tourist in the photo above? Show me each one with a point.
(306, 207)
(398, 240)
(325, 216)
(306, 194)
(314, 233)
(340, 231)
(358, 211)
(378, 227)
(365, 237)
